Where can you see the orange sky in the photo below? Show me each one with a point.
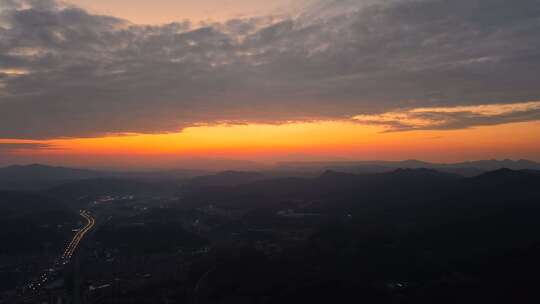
(75, 93)
(328, 140)
(166, 11)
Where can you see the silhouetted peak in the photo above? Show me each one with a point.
(501, 172)
(505, 174)
(494, 164)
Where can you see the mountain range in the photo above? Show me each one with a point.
(469, 168)
(39, 176)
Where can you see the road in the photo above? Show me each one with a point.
(74, 244)
(72, 247)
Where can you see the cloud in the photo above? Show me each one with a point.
(67, 73)
(8, 147)
(453, 117)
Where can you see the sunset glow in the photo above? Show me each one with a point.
(296, 141)
(132, 84)
(255, 151)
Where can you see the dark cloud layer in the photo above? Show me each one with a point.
(10, 147)
(65, 72)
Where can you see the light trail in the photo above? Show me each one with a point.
(68, 252)
(74, 244)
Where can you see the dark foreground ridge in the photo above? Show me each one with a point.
(410, 235)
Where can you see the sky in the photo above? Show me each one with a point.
(167, 11)
(157, 83)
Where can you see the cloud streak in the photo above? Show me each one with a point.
(9, 147)
(453, 117)
(67, 73)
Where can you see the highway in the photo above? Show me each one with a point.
(74, 244)
(65, 258)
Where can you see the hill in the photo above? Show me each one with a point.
(331, 190)
(467, 169)
(411, 235)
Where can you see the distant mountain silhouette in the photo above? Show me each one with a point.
(490, 165)
(472, 168)
(333, 189)
(506, 174)
(39, 177)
